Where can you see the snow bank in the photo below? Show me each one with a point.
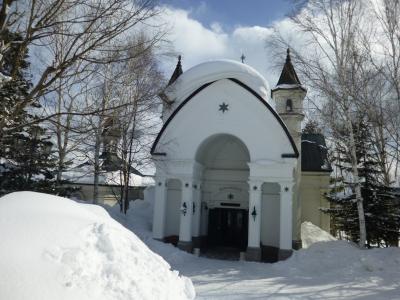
(139, 220)
(55, 248)
(327, 269)
(335, 259)
(311, 234)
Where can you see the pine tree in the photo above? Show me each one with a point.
(381, 206)
(30, 165)
(312, 127)
(26, 160)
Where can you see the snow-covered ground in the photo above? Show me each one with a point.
(327, 269)
(54, 248)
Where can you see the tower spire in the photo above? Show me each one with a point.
(288, 75)
(177, 72)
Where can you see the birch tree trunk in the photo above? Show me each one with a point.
(96, 165)
(357, 187)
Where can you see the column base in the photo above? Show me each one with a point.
(297, 244)
(186, 246)
(284, 254)
(196, 241)
(253, 254)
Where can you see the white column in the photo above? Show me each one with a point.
(160, 200)
(196, 209)
(255, 194)
(286, 222)
(185, 228)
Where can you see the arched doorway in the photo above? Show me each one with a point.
(225, 193)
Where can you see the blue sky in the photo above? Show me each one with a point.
(234, 13)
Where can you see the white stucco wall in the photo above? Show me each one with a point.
(174, 196)
(247, 119)
(270, 215)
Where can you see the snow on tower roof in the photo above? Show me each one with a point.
(214, 70)
(288, 78)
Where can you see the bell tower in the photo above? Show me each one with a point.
(289, 95)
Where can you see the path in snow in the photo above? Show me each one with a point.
(326, 270)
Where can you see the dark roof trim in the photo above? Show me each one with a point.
(318, 171)
(131, 187)
(246, 87)
(159, 153)
(153, 147)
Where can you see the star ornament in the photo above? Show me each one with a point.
(223, 107)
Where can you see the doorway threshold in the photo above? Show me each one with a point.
(221, 252)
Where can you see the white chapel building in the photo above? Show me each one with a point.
(232, 167)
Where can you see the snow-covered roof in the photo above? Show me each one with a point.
(214, 70)
(287, 86)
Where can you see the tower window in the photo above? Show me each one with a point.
(289, 105)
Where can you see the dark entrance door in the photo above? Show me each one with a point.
(228, 227)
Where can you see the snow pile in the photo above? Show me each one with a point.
(311, 234)
(342, 259)
(55, 248)
(139, 220)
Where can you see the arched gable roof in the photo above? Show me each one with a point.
(215, 70)
(247, 88)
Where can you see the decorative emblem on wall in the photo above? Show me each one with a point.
(223, 107)
(230, 196)
(254, 213)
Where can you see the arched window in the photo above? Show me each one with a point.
(289, 105)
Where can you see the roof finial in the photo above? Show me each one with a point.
(243, 58)
(178, 71)
(288, 58)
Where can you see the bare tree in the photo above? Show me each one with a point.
(89, 30)
(125, 135)
(333, 63)
(387, 15)
(138, 124)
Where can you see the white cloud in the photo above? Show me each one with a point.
(197, 43)
(191, 39)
